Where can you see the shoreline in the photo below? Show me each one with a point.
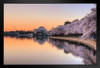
(90, 43)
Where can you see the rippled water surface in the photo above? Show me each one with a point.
(42, 50)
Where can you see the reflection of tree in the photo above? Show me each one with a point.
(77, 49)
(66, 51)
(40, 39)
(18, 37)
(56, 43)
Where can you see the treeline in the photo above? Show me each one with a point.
(24, 32)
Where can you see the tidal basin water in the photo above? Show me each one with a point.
(42, 50)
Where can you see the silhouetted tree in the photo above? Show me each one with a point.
(67, 22)
(75, 20)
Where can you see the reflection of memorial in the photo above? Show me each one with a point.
(40, 39)
(77, 49)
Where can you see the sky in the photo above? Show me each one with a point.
(31, 16)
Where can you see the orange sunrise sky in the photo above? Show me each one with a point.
(31, 16)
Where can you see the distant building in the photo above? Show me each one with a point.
(40, 31)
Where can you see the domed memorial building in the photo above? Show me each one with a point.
(40, 31)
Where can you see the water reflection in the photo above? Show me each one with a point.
(77, 49)
(18, 37)
(68, 47)
(40, 39)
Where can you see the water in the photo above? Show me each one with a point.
(42, 50)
